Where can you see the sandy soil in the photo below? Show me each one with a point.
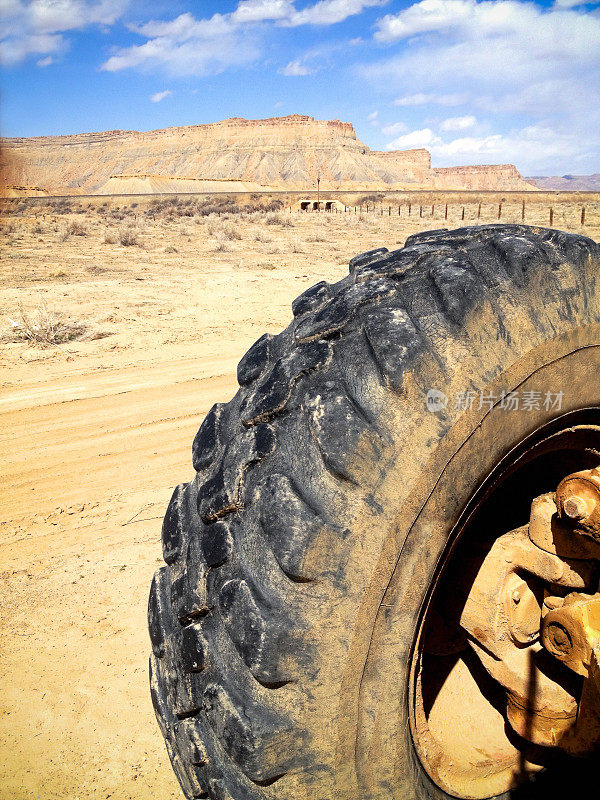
(96, 432)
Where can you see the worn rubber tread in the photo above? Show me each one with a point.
(218, 628)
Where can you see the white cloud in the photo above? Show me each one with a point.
(392, 130)
(536, 146)
(45, 62)
(158, 96)
(259, 10)
(458, 123)
(518, 65)
(36, 27)
(421, 138)
(427, 15)
(186, 45)
(421, 99)
(373, 118)
(330, 12)
(295, 68)
(558, 33)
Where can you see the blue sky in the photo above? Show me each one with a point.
(474, 81)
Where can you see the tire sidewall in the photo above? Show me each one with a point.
(387, 765)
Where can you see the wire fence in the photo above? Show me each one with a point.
(477, 212)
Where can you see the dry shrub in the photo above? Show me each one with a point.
(296, 245)
(212, 228)
(109, 239)
(271, 249)
(316, 237)
(128, 237)
(220, 227)
(278, 219)
(44, 327)
(221, 245)
(231, 232)
(261, 236)
(77, 229)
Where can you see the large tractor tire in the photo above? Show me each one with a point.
(329, 493)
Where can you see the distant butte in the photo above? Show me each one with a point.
(237, 154)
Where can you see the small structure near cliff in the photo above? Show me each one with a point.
(318, 205)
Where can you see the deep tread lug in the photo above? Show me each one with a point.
(254, 362)
(262, 744)
(311, 299)
(394, 342)
(259, 631)
(172, 527)
(217, 543)
(206, 441)
(369, 257)
(194, 649)
(159, 622)
(340, 432)
(292, 529)
(273, 393)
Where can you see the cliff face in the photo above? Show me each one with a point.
(285, 152)
(500, 177)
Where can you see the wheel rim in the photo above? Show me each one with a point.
(457, 710)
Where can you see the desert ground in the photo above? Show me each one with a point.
(121, 322)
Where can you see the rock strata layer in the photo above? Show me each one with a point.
(279, 153)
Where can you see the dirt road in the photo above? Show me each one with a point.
(88, 469)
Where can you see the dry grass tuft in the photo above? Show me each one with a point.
(44, 327)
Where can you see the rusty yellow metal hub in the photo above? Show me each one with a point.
(530, 617)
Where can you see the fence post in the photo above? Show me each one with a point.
(463, 213)
(583, 215)
(499, 210)
(551, 216)
(381, 209)
(432, 209)
(398, 209)
(523, 211)
(389, 211)
(446, 212)
(409, 207)
(479, 211)
(420, 211)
